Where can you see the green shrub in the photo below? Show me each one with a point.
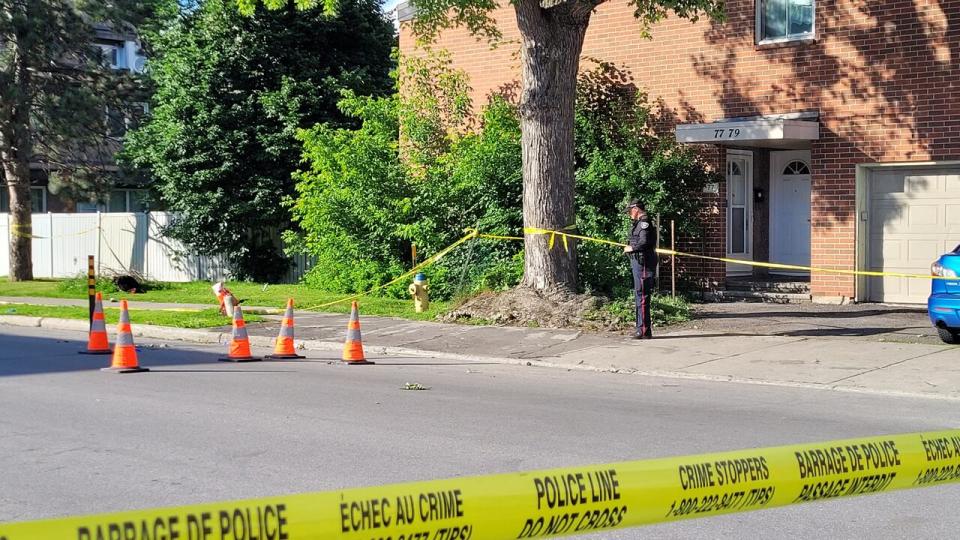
(369, 193)
(77, 285)
(664, 310)
(620, 156)
(352, 198)
(360, 208)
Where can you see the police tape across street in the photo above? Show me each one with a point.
(548, 503)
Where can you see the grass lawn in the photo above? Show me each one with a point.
(665, 310)
(253, 294)
(206, 318)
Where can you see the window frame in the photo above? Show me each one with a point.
(115, 118)
(110, 200)
(43, 198)
(759, 30)
(128, 200)
(795, 171)
(117, 54)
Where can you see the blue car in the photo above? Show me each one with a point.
(943, 306)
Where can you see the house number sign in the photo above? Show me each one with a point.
(729, 133)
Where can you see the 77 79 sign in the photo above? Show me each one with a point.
(729, 133)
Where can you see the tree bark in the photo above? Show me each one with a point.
(552, 40)
(21, 232)
(15, 153)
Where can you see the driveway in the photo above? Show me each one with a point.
(874, 322)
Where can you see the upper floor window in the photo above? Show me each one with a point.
(119, 121)
(785, 20)
(114, 54)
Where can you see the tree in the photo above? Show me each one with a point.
(232, 92)
(54, 88)
(362, 202)
(552, 33)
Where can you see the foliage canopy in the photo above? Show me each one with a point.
(360, 205)
(232, 92)
(55, 85)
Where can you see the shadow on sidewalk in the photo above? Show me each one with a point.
(388, 362)
(813, 332)
(850, 314)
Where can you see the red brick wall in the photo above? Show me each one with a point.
(885, 77)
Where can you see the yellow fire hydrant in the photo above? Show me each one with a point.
(418, 289)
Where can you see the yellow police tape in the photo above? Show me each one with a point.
(538, 504)
(16, 228)
(471, 234)
(870, 273)
(554, 234)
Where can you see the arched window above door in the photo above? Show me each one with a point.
(796, 167)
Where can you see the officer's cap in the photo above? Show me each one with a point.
(634, 203)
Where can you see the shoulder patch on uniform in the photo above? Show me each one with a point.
(644, 225)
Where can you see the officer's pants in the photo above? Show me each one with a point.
(643, 288)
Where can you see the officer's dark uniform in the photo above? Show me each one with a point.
(643, 262)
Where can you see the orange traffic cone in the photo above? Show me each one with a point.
(124, 351)
(97, 342)
(353, 347)
(284, 350)
(240, 344)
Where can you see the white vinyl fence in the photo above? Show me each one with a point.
(122, 243)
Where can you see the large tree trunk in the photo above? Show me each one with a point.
(21, 229)
(552, 42)
(16, 171)
(15, 153)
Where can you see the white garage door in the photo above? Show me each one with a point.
(914, 217)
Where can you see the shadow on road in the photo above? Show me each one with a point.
(31, 355)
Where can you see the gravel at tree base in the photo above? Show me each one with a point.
(531, 308)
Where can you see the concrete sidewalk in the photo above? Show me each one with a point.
(845, 363)
(737, 346)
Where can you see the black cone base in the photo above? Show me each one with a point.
(248, 359)
(124, 369)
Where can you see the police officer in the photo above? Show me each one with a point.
(641, 250)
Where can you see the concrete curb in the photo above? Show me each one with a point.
(21, 320)
(216, 337)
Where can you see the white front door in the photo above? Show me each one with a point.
(739, 209)
(790, 207)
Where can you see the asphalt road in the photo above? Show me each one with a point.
(74, 440)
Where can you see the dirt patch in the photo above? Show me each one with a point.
(530, 308)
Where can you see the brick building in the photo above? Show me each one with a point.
(837, 123)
